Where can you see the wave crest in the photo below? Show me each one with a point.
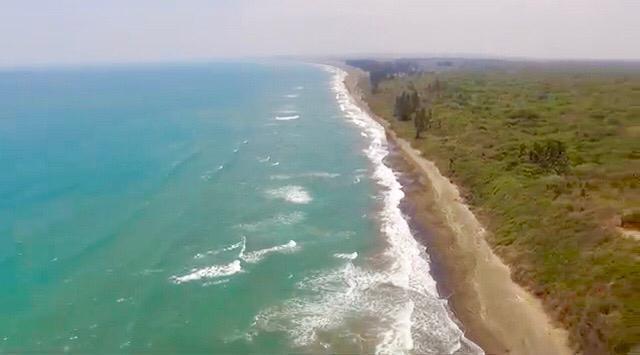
(210, 272)
(291, 193)
(287, 118)
(347, 256)
(319, 174)
(257, 256)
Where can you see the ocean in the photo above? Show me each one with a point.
(205, 208)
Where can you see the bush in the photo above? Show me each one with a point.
(550, 155)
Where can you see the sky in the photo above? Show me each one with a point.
(41, 32)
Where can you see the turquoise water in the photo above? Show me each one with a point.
(219, 208)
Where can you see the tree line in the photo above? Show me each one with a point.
(383, 70)
(410, 106)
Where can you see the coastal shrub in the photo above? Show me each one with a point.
(550, 155)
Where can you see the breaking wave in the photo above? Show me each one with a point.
(218, 272)
(210, 272)
(291, 193)
(348, 256)
(287, 118)
(239, 245)
(257, 256)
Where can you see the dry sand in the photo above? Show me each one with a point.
(495, 312)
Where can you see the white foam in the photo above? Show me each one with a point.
(210, 272)
(320, 174)
(291, 96)
(209, 174)
(291, 193)
(400, 299)
(265, 159)
(279, 219)
(241, 245)
(281, 177)
(215, 282)
(347, 256)
(258, 255)
(409, 268)
(331, 297)
(287, 118)
(147, 272)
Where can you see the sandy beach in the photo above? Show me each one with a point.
(496, 313)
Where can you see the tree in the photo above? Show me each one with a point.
(414, 101)
(422, 121)
(419, 121)
(401, 108)
(376, 77)
(406, 104)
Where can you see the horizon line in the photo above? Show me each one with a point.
(363, 55)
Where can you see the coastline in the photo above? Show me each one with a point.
(403, 259)
(496, 313)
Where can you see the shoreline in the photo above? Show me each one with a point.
(403, 257)
(496, 313)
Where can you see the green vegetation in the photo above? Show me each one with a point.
(422, 121)
(549, 159)
(406, 105)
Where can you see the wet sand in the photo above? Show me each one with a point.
(495, 312)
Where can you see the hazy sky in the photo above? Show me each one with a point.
(84, 31)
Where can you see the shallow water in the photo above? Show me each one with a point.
(228, 207)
